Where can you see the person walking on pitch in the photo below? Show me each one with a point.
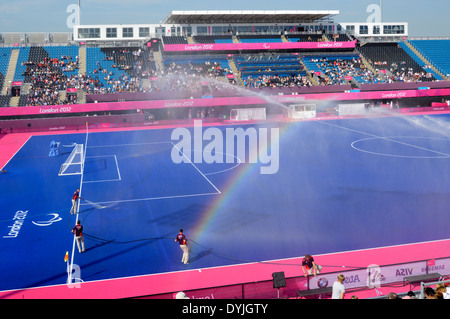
(182, 240)
(78, 232)
(75, 197)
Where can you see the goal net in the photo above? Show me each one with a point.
(248, 114)
(352, 109)
(303, 111)
(74, 163)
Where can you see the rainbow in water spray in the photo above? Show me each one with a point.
(261, 149)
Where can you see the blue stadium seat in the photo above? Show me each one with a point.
(433, 51)
(261, 40)
(57, 52)
(419, 60)
(5, 55)
(337, 74)
(20, 68)
(96, 59)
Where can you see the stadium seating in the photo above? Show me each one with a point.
(134, 61)
(19, 75)
(305, 38)
(103, 70)
(197, 64)
(4, 100)
(5, 54)
(66, 54)
(213, 39)
(433, 50)
(282, 65)
(419, 61)
(393, 59)
(44, 75)
(338, 37)
(336, 69)
(272, 70)
(175, 40)
(113, 69)
(259, 38)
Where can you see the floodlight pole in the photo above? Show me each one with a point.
(381, 10)
(79, 12)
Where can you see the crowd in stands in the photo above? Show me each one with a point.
(441, 291)
(136, 62)
(187, 76)
(92, 84)
(138, 73)
(207, 69)
(47, 80)
(400, 72)
(276, 81)
(340, 71)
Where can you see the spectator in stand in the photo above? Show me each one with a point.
(430, 293)
(447, 292)
(47, 80)
(441, 291)
(277, 81)
(410, 295)
(338, 290)
(392, 295)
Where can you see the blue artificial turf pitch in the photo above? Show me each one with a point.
(341, 185)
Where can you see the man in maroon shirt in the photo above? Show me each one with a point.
(310, 265)
(181, 239)
(78, 232)
(75, 197)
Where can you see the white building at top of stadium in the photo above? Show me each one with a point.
(239, 22)
(215, 23)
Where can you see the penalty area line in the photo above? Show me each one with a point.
(151, 198)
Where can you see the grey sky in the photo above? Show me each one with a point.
(425, 18)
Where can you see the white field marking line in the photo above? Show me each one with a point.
(102, 181)
(131, 144)
(69, 275)
(162, 197)
(106, 180)
(151, 198)
(197, 168)
(385, 138)
(399, 156)
(239, 162)
(117, 166)
(150, 143)
(17, 152)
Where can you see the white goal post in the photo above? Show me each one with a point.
(303, 111)
(74, 163)
(352, 108)
(247, 114)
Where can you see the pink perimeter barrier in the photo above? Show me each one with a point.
(168, 283)
(229, 101)
(221, 276)
(259, 46)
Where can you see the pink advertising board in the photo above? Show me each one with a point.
(258, 46)
(229, 101)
